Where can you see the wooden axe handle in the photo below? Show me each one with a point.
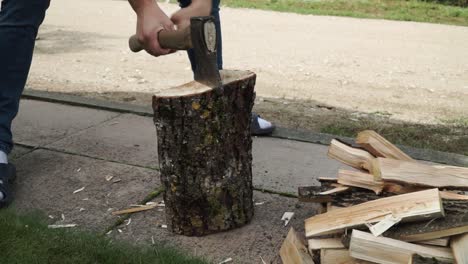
(175, 40)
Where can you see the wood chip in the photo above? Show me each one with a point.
(226, 261)
(382, 226)
(79, 190)
(287, 216)
(134, 210)
(62, 226)
(109, 177)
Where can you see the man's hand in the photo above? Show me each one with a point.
(197, 8)
(150, 20)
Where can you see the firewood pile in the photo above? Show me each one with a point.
(391, 209)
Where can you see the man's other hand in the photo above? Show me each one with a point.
(182, 17)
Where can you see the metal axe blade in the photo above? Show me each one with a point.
(204, 37)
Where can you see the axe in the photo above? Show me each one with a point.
(199, 36)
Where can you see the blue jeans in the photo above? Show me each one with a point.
(215, 14)
(19, 23)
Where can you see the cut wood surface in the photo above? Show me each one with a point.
(459, 245)
(322, 243)
(379, 146)
(409, 207)
(338, 256)
(354, 157)
(293, 250)
(455, 222)
(441, 242)
(360, 179)
(205, 154)
(391, 251)
(419, 174)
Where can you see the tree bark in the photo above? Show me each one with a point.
(205, 154)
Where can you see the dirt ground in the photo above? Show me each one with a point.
(408, 71)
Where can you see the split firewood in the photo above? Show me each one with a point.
(418, 259)
(455, 222)
(354, 157)
(453, 196)
(409, 207)
(459, 245)
(386, 250)
(419, 174)
(293, 250)
(379, 146)
(324, 243)
(361, 180)
(441, 242)
(339, 256)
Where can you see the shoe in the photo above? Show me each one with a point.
(260, 126)
(7, 177)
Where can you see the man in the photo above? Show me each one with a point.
(19, 24)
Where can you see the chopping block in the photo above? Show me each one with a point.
(204, 141)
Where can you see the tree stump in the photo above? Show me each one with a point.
(205, 154)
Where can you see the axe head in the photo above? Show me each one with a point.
(204, 38)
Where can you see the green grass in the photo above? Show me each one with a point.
(411, 10)
(448, 138)
(26, 239)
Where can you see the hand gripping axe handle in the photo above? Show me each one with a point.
(200, 36)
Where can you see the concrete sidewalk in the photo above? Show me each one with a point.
(62, 148)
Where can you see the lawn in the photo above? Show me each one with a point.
(26, 239)
(411, 10)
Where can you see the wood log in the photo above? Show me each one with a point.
(391, 251)
(361, 180)
(205, 158)
(293, 250)
(354, 157)
(409, 207)
(379, 146)
(459, 247)
(419, 174)
(455, 222)
(338, 256)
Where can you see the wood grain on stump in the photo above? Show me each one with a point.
(205, 154)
